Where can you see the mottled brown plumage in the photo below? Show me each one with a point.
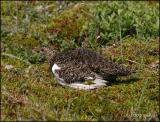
(80, 63)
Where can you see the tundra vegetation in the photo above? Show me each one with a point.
(126, 32)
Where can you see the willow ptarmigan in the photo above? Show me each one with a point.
(74, 67)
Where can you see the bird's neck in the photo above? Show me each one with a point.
(50, 55)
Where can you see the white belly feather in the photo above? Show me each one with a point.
(54, 68)
(98, 82)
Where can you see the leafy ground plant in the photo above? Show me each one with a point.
(113, 21)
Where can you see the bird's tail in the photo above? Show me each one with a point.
(126, 71)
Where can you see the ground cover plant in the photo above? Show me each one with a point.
(124, 32)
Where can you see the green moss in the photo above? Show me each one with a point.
(125, 99)
(31, 93)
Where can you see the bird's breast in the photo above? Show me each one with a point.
(55, 70)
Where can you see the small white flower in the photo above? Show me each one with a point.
(98, 37)
(8, 67)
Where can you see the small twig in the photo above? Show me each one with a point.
(133, 61)
(138, 63)
(15, 57)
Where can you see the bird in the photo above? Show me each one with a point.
(73, 67)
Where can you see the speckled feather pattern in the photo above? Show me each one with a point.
(80, 63)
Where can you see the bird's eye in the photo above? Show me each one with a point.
(42, 49)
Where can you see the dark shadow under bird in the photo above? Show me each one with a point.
(74, 67)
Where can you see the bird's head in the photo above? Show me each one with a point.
(47, 52)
